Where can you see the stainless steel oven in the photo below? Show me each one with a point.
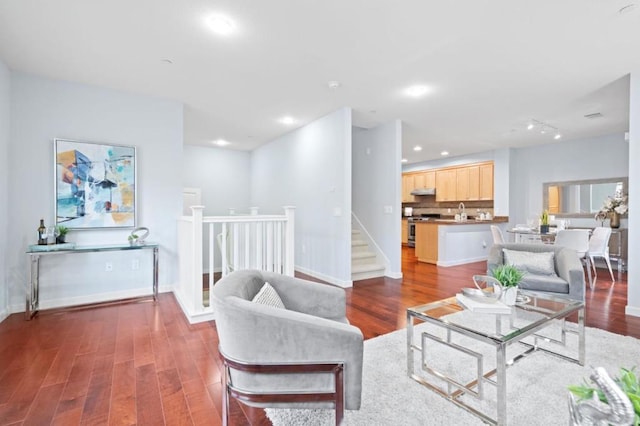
(411, 240)
(411, 223)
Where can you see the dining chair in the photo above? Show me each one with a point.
(599, 247)
(578, 240)
(498, 238)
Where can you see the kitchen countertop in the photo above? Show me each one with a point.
(446, 221)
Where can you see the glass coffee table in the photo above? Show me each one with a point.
(537, 323)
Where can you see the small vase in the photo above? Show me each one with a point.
(509, 295)
(614, 220)
(544, 229)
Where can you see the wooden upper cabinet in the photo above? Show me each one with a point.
(465, 183)
(462, 184)
(407, 187)
(486, 181)
(430, 179)
(418, 180)
(446, 185)
(424, 180)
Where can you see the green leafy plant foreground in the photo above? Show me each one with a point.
(628, 382)
(508, 275)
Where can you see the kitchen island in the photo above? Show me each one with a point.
(446, 242)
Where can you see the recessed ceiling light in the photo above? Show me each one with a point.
(444, 153)
(404, 160)
(417, 148)
(557, 136)
(287, 120)
(530, 126)
(416, 91)
(333, 84)
(221, 24)
(221, 142)
(166, 61)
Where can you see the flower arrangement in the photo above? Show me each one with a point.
(613, 205)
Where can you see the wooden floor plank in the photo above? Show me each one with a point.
(44, 406)
(174, 404)
(148, 402)
(144, 364)
(123, 397)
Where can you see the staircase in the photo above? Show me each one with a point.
(364, 263)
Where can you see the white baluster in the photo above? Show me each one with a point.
(289, 245)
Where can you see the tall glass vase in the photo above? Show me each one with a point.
(614, 220)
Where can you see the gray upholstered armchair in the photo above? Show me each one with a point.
(567, 275)
(304, 356)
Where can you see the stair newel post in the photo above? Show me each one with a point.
(289, 212)
(195, 287)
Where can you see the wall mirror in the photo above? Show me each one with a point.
(581, 198)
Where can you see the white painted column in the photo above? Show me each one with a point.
(633, 259)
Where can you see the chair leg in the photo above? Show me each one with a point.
(588, 265)
(606, 258)
(595, 273)
(225, 396)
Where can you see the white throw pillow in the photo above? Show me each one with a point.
(535, 263)
(268, 296)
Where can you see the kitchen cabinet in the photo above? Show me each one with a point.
(405, 231)
(486, 181)
(462, 184)
(407, 187)
(446, 185)
(427, 242)
(424, 180)
(474, 183)
(465, 183)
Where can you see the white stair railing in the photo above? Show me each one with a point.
(253, 241)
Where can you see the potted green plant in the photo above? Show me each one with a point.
(61, 234)
(627, 382)
(544, 222)
(509, 277)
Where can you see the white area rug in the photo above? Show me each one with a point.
(536, 386)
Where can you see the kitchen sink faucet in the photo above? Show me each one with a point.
(461, 210)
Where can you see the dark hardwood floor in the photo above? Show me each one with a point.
(142, 363)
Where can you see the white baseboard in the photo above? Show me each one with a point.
(634, 311)
(194, 317)
(323, 277)
(394, 275)
(92, 298)
(461, 261)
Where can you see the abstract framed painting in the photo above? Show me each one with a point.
(95, 185)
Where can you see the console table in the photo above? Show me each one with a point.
(36, 252)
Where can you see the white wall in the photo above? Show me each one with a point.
(222, 174)
(5, 87)
(594, 158)
(310, 168)
(43, 109)
(633, 276)
(376, 184)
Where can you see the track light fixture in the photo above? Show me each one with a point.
(544, 128)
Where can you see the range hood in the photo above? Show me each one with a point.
(424, 191)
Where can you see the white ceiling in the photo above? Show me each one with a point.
(492, 65)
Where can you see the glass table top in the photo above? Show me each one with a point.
(534, 311)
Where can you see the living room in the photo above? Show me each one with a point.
(310, 166)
